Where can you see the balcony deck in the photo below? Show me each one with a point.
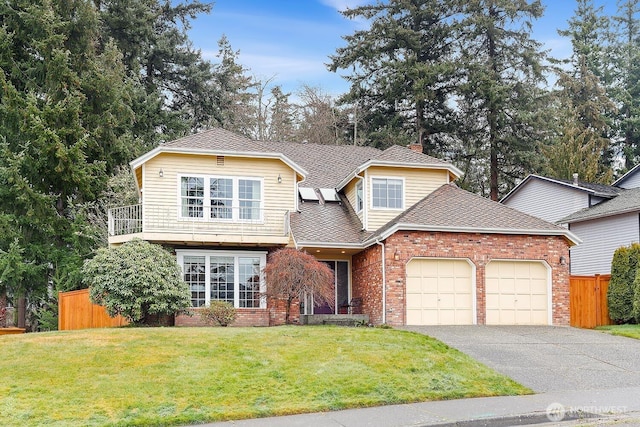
(158, 223)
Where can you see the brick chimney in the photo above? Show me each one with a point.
(416, 147)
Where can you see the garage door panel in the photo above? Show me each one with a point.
(506, 286)
(517, 293)
(539, 287)
(414, 285)
(523, 302)
(439, 292)
(463, 301)
(414, 317)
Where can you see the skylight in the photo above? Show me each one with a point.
(329, 195)
(307, 193)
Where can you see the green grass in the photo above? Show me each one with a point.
(171, 376)
(631, 331)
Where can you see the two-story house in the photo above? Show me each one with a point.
(400, 236)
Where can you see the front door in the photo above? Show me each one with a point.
(341, 287)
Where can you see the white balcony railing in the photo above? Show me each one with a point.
(175, 219)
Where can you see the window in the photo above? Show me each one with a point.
(221, 194)
(249, 197)
(387, 193)
(230, 198)
(192, 195)
(194, 274)
(359, 197)
(226, 276)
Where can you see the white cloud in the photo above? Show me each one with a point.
(341, 5)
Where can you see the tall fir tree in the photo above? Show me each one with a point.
(626, 81)
(402, 72)
(65, 124)
(588, 78)
(175, 94)
(501, 92)
(235, 95)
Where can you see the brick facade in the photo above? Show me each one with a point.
(273, 315)
(479, 248)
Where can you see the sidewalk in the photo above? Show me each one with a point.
(591, 407)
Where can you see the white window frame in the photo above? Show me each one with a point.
(207, 254)
(395, 178)
(360, 196)
(235, 204)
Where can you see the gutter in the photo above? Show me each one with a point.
(384, 283)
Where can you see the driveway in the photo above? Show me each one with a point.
(547, 358)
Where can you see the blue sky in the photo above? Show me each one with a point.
(291, 40)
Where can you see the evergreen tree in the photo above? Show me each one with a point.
(580, 144)
(175, 93)
(585, 84)
(282, 117)
(234, 92)
(626, 80)
(504, 71)
(402, 71)
(65, 122)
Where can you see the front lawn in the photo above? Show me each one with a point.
(631, 331)
(170, 376)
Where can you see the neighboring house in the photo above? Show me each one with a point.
(603, 229)
(603, 217)
(553, 199)
(404, 241)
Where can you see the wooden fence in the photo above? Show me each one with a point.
(76, 311)
(588, 301)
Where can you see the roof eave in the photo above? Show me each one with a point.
(440, 166)
(570, 220)
(330, 245)
(626, 175)
(572, 238)
(554, 181)
(181, 150)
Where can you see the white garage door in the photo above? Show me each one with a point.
(439, 292)
(517, 293)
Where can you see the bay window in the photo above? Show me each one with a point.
(234, 277)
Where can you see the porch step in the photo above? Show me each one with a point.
(335, 319)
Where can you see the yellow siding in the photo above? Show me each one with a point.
(418, 183)
(165, 190)
(350, 192)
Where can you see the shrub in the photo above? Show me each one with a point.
(220, 312)
(620, 295)
(138, 280)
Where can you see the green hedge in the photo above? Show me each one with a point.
(622, 296)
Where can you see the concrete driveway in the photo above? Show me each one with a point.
(547, 358)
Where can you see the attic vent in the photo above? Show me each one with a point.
(220, 160)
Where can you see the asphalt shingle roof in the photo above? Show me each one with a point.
(216, 139)
(395, 153)
(331, 222)
(455, 208)
(626, 201)
(327, 164)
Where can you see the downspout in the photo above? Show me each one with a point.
(384, 283)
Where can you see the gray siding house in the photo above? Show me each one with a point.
(603, 217)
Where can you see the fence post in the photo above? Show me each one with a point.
(598, 301)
